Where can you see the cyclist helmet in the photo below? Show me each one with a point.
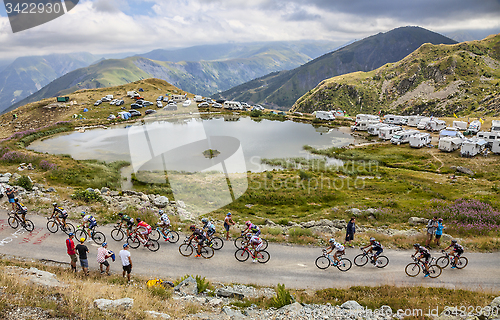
(138, 220)
(248, 223)
(83, 213)
(160, 212)
(104, 244)
(204, 220)
(416, 245)
(228, 214)
(120, 214)
(54, 204)
(16, 200)
(453, 241)
(331, 240)
(248, 235)
(192, 227)
(372, 239)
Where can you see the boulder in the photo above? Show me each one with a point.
(339, 224)
(371, 211)
(114, 193)
(161, 202)
(351, 305)
(4, 179)
(465, 170)
(324, 223)
(105, 190)
(354, 211)
(7, 174)
(323, 229)
(416, 220)
(227, 293)
(160, 315)
(180, 204)
(232, 313)
(43, 278)
(106, 305)
(308, 224)
(269, 223)
(292, 308)
(51, 189)
(215, 302)
(188, 286)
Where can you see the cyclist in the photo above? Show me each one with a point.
(425, 254)
(164, 223)
(334, 245)
(20, 209)
(210, 228)
(256, 244)
(200, 238)
(59, 213)
(88, 221)
(456, 253)
(144, 230)
(375, 246)
(128, 220)
(252, 227)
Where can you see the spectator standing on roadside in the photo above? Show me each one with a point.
(126, 261)
(350, 231)
(228, 221)
(102, 255)
(70, 245)
(431, 230)
(11, 197)
(82, 253)
(439, 231)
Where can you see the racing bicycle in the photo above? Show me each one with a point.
(244, 253)
(242, 241)
(85, 232)
(170, 235)
(53, 226)
(413, 268)
(447, 258)
(327, 260)
(187, 248)
(134, 240)
(15, 221)
(119, 232)
(363, 258)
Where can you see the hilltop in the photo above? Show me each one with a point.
(435, 80)
(281, 89)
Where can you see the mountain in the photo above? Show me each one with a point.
(440, 80)
(27, 75)
(281, 90)
(200, 77)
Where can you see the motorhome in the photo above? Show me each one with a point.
(133, 94)
(423, 123)
(363, 125)
(460, 125)
(490, 137)
(324, 115)
(178, 97)
(403, 136)
(451, 133)
(435, 125)
(420, 140)
(414, 120)
(198, 99)
(471, 147)
(394, 119)
(233, 105)
(495, 125)
(366, 117)
(373, 129)
(449, 143)
(495, 147)
(386, 133)
(474, 127)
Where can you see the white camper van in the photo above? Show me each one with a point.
(386, 133)
(495, 125)
(373, 129)
(414, 120)
(403, 136)
(495, 147)
(324, 115)
(449, 143)
(435, 125)
(472, 147)
(366, 117)
(474, 126)
(423, 123)
(178, 97)
(233, 105)
(490, 137)
(460, 125)
(363, 125)
(420, 140)
(394, 119)
(198, 98)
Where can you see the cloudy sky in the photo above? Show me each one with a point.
(110, 26)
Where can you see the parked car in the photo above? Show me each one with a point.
(171, 107)
(159, 104)
(217, 105)
(165, 99)
(149, 111)
(98, 102)
(203, 105)
(113, 102)
(135, 113)
(147, 103)
(135, 106)
(160, 98)
(119, 102)
(140, 102)
(104, 99)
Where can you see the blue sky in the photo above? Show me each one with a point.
(112, 26)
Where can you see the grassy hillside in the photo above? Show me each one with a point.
(282, 90)
(435, 80)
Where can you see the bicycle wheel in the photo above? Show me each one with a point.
(382, 261)
(262, 256)
(153, 245)
(185, 249)
(360, 260)
(322, 262)
(99, 237)
(435, 271)
(68, 229)
(239, 242)
(117, 234)
(52, 226)
(344, 264)
(264, 244)
(133, 242)
(412, 269)
(172, 236)
(207, 252)
(241, 255)
(462, 262)
(80, 234)
(13, 222)
(28, 225)
(155, 235)
(217, 243)
(443, 262)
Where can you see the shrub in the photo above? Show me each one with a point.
(160, 291)
(202, 283)
(86, 196)
(282, 297)
(304, 175)
(47, 165)
(25, 182)
(256, 113)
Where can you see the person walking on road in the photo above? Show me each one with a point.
(350, 231)
(82, 253)
(11, 197)
(126, 261)
(70, 245)
(439, 231)
(432, 225)
(102, 255)
(228, 221)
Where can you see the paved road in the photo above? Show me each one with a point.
(290, 264)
